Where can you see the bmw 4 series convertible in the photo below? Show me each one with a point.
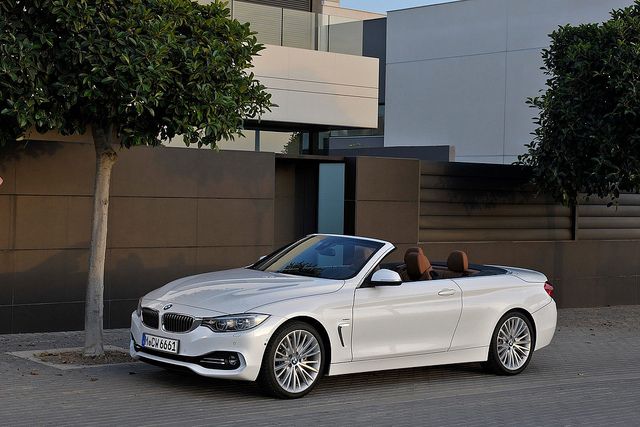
(333, 305)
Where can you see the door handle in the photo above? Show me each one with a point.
(446, 292)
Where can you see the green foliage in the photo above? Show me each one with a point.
(588, 135)
(149, 69)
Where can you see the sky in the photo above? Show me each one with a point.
(382, 6)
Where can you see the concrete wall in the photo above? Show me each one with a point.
(459, 73)
(172, 213)
(382, 199)
(319, 88)
(177, 212)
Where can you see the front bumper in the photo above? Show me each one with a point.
(250, 345)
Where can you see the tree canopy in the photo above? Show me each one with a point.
(588, 134)
(147, 70)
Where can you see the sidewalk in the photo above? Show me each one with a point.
(590, 375)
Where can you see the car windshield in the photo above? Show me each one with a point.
(327, 257)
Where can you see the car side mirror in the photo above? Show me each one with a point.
(385, 277)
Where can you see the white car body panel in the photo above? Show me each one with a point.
(368, 328)
(405, 320)
(241, 289)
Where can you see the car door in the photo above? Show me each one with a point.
(408, 319)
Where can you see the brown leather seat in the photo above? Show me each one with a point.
(458, 263)
(417, 265)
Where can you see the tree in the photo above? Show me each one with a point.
(588, 134)
(137, 72)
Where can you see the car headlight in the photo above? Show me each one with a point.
(234, 322)
(139, 309)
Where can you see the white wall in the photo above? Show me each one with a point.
(459, 73)
(320, 88)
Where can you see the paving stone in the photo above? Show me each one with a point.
(589, 376)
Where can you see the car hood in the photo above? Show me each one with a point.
(240, 290)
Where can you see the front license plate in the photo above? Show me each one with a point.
(161, 344)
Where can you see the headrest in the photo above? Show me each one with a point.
(417, 264)
(412, 250)
(458, 262)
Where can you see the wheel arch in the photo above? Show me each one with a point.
(326, 341)
(526, 314)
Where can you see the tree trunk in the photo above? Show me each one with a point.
(105, 159)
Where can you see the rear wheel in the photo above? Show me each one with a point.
(512, 345)
(293, 361)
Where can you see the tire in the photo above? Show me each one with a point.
(293, 361)
(512, 345)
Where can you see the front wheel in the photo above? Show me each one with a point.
(512, 345)
(293, 361)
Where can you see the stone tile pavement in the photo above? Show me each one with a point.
(590, 375)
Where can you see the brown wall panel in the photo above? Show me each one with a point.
(235, 222)
(474, 202)
(614, 290)
(626, 199)
(387, 179)
(285, 221)
(608, 234)
(6, 221)
(46, 276)
(6, 313)
(488, 222)
(48, 317)
(285, 178)
(495, 210)
(221, 258)
(610, 223)
(6, 277)
(131, 273)
(285, 204)
(487, 198)
(55, 168)
(152, 222)
(481, 170)
(520, 234)
(393, 221)
(44, 222)
(7, 173)
(155, 172)
(236, 174)
(119, 312)
(495, 183)
(611, 211)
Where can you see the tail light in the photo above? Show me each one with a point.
(548, 287)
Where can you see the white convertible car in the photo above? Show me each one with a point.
(332, 305)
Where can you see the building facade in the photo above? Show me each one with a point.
(459, 73)
(314, 67)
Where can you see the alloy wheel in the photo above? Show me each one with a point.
(297, 361)
(514, 343)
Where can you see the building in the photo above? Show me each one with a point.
(459, 73)
(314, 67)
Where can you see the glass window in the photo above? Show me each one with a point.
(328, 257)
